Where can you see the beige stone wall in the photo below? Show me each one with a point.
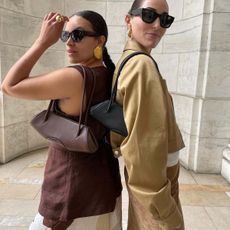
(193, 57)
(19, 25)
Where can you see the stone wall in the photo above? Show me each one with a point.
(193, 57)
(20, 23)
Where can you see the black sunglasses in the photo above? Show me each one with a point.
(77, 35)
(150, 15)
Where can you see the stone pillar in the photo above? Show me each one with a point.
(194, 56)
(225, 170)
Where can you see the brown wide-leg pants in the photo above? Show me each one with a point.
(139, 218)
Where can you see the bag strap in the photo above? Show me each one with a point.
(48, 110)
(88, 103)
(83, 98)
(126, 59)
(93, 77)
(51, 104)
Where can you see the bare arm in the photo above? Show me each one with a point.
(18, 82)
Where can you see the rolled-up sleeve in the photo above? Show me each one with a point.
(145, 149)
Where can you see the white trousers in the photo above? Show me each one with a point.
(108, 221)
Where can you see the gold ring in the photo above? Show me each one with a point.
(59, 18)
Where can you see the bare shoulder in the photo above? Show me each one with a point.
(70, 72)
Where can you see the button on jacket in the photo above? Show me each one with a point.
(152, 134)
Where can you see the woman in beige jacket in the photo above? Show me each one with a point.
(150, 150)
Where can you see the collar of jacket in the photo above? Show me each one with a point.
(132, 44)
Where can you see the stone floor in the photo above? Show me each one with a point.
(205, 198)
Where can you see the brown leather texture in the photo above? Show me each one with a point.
(63, 131)
(71, 134)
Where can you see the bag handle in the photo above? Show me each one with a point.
(48, 110)
(51, 104)
(83, 98)
(88, 103)
(91, 95)
(114, 91)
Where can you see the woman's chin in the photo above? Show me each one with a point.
(72, 61)
(153, 44)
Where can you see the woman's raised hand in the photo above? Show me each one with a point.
(51, 29)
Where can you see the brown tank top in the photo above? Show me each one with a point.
(80, 184)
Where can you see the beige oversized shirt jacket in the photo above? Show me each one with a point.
(152, 134)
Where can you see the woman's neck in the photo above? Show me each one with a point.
(91, 63)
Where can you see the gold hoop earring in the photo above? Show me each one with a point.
(98, 52)
(130, 33)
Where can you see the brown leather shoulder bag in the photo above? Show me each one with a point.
(72, 135)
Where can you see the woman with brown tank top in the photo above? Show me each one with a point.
(80, 190)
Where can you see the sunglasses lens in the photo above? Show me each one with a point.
(149, 16)
(77, 35)
(166, 20)
(65, 36)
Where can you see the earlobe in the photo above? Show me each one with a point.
(129, 26)
(128, 21)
